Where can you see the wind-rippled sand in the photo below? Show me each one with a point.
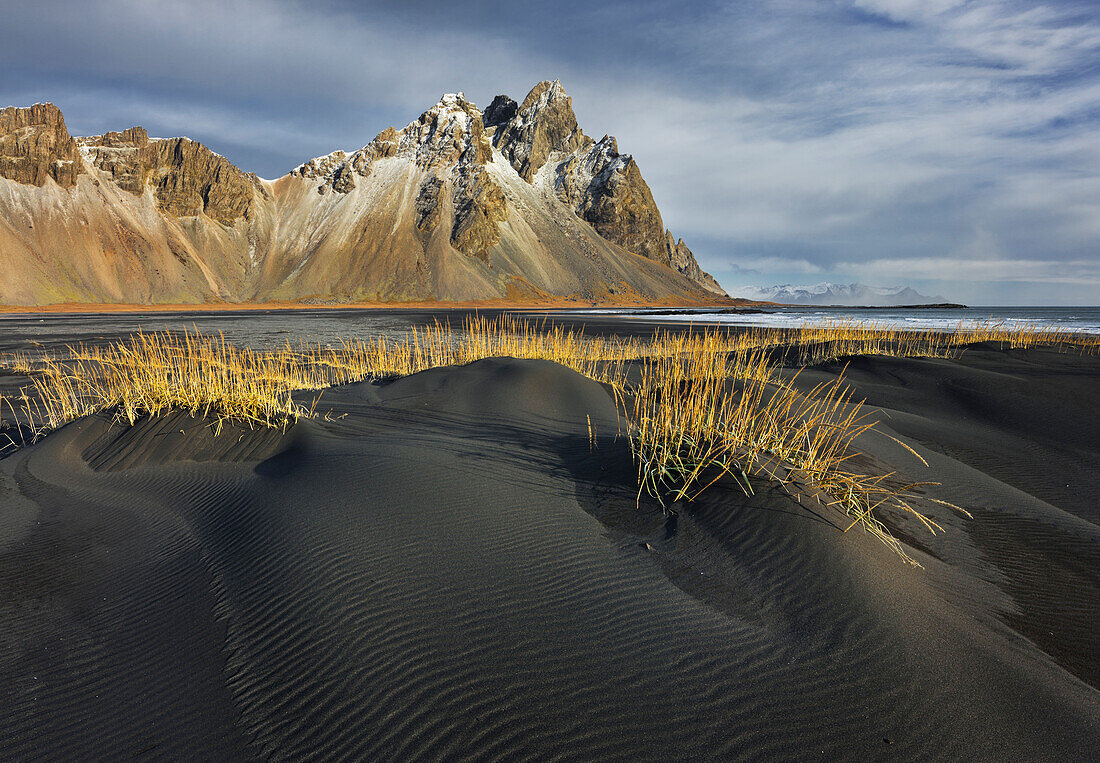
(449, 568)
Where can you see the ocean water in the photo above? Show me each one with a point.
(258, 329)
(1084, 320)
(264, 330)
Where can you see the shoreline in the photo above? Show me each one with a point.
(94, 308)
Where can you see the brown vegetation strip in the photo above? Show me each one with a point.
(699, 406)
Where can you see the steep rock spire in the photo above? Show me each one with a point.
(543, 124)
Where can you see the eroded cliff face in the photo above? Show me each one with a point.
(514, 203)
(479, 208)
(187, 178)
(35, 146)
(607, 189)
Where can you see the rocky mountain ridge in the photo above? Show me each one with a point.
(460, 204)
(826, 293)
(449, 142)
(187, 178)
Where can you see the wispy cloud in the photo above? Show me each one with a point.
(881, 139)
(949, 269)
(763, 266)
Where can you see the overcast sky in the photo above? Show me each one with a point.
(948, 145)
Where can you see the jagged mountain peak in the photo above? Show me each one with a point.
(457, 204)
(452, 115)
(543, 94)
(454, 102)
(449, 133)
(542, 141)
(542, 125)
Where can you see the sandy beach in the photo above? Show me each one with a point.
(571, 381)
(454, 564)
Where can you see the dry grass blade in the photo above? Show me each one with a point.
(701, 405)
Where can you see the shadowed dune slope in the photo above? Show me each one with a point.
(1014, 436)
(450, 566)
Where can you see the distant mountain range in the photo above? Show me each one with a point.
(513, 202)
(826, 293)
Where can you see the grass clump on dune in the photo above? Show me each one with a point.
(702, 415)
(701, 405)
(154, 373)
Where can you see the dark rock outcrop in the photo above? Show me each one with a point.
(35, 146)
(606, 189)
(338, 170)
(479, 208)
(428, 204)
(344, 179)
(501, 110)
(321, 166)
(682, 259)
(623, 211)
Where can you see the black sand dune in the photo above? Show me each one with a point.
(448, 568)
(1014, 435)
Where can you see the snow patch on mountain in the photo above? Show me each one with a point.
(826, 293)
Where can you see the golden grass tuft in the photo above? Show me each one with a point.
(702, 415)
(701, 405)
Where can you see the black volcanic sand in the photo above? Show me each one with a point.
(448, 568)
(1014, 436)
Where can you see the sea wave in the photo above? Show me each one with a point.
(1080, 320)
